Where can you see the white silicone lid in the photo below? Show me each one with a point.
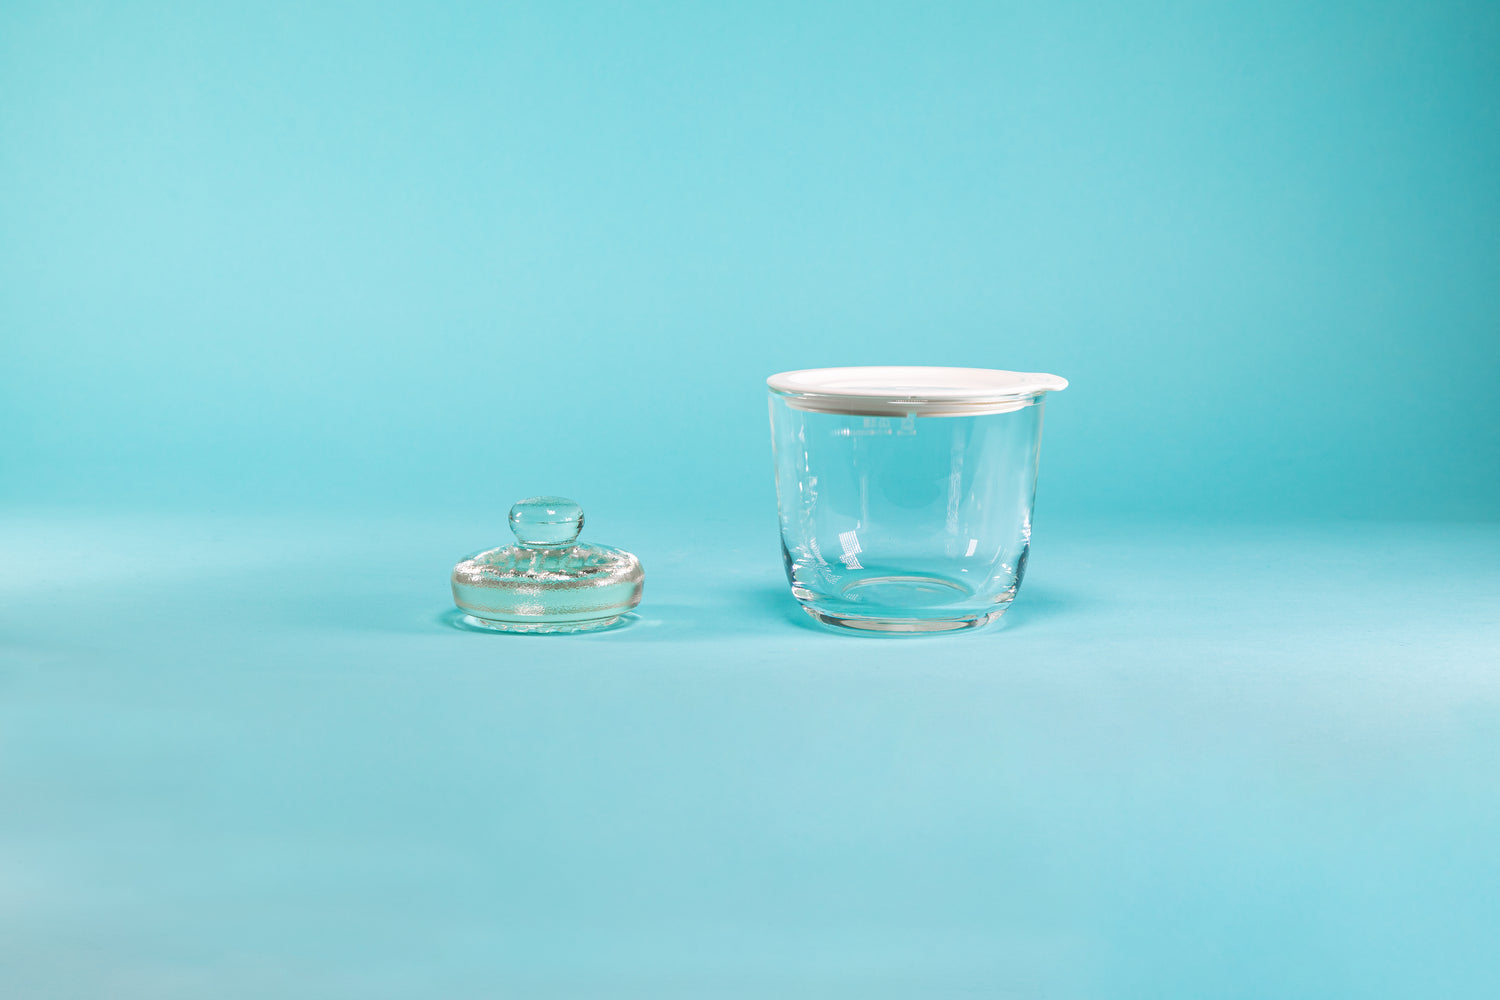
(910, 390)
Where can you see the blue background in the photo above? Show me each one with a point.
(295, 299)
(443, 254)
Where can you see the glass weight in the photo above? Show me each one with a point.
(547, 582)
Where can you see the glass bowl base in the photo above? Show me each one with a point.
(879, 625)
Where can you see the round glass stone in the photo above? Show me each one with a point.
(548, 581)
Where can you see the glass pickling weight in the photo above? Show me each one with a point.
(547, 581)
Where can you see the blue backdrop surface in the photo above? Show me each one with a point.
(410, 253)
(295, 299)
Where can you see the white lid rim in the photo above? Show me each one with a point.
(891, 385)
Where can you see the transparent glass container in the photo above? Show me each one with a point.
(906, 494)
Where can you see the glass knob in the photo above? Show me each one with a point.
(546, 522)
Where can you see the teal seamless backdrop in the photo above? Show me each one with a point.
(418, 256)
(297, 298)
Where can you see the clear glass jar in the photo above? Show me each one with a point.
(906, 494)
